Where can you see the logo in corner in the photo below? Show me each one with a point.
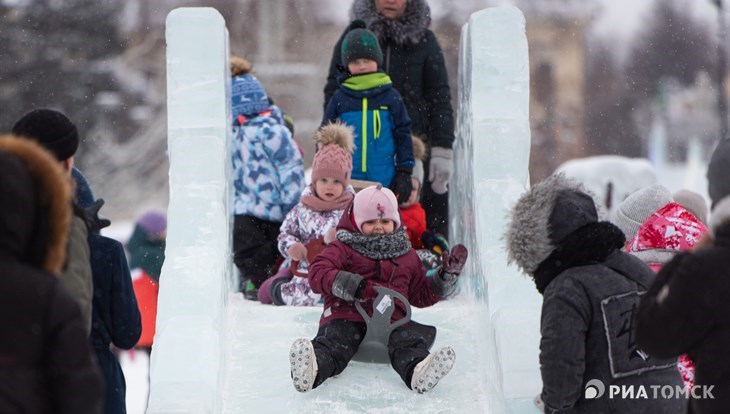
(594, 389)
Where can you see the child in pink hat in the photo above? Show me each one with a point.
(319, 209)
(372, 249)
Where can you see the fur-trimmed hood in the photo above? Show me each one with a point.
(406, 30)
(535, 226)
(35, 213)
(419, 148)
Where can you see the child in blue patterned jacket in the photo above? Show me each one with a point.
(268, 176)
(367, 101)
(321, 206)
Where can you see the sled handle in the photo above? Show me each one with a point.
(388, 312)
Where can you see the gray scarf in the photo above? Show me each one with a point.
(377, 246)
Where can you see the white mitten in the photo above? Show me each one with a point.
(440, 167)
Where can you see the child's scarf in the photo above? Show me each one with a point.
(377, 246)
(315, 203)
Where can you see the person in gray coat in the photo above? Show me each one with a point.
(590, 290)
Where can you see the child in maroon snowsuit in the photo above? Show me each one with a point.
(372, 249)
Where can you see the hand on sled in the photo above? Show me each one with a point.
(366, 291)
(297, 252)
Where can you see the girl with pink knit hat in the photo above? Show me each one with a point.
(319, 209)
(372, 249)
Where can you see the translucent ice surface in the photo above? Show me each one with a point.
(187, 359)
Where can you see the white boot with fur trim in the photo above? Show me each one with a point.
(303, 364)
(430, 371)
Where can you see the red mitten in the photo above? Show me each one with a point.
(297, 252)
(368, 292)
(453, 262)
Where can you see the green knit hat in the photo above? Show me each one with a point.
(359, 43)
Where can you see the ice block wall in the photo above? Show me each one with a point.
(187, 357)
(491, 155)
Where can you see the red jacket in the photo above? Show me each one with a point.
(146, 290)
(405, 274)
(414, 220)
(669, 230)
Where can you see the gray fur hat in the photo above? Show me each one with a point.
(545, 215)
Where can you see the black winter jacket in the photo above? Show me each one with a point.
(116, 317)
(687, 310)
(415, 63)
(590, 308)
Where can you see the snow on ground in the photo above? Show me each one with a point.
(135, 365)
(258, 379)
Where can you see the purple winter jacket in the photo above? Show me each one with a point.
(405, 274)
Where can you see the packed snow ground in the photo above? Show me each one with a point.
(258, 378)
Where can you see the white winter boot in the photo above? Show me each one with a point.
(429, 371)
(303, 364)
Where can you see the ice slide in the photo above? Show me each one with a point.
(216, 353)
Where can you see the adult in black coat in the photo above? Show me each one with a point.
(687, 310)
(414, 61)
(590, 289)
(46, 364)
(115, 317)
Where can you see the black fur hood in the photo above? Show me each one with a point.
(407, 30)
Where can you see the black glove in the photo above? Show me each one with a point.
(401, 184)
(435, 241)
(91, 216)
(348, 286)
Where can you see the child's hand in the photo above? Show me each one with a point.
(435, 241)
(297, 252)
(401, 185)
(367, 292)
(453, 263)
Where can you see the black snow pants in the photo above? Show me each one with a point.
(255, 249)
(337, 342)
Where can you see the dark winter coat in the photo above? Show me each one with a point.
(405, 274)
(590, 293)
(582, 307)
(146, 252)
(687, 310)
(375, 110)
(77, 276)
(414, 61)
(116, 318)
(46, 364)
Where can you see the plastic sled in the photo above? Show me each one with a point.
(374, 347)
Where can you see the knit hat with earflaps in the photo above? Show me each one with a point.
(52, 129)
(375, 202)
(334, 153)
(639, 206)
(248, 97)
(360, 43)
